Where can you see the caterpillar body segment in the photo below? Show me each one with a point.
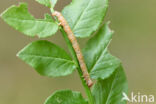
(75, 45)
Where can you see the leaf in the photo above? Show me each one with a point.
(105, 67)
(19, 18)
(48, 17)
(53, 3)
(44, 2)
(109, 91)
(66, 97)
(100, 63)
(47, 3)
(47, 58)
(85, 16)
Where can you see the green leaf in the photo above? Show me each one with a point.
(85, 16)
(47, 58)
(48, 3)
(100, 63)
(105, 66)
(19, 18)
(48, 17)
(44, 2)
(109, 91)
(66, 97)
(53, 3)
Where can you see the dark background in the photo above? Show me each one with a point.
(134, 42)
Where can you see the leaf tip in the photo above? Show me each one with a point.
(1, 15)
(108, 24)
(18, 54)
(20, 5)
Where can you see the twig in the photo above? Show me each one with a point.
(75, 45)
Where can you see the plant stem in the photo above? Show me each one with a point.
(73, 53)
(75, 45)
(87, 89)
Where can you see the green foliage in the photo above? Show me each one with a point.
(66, 97)
(85, 18)
(47, 58)
(100, 62)
(48, 3)
(19, 18)
(44, 2)
(53, 3)
(109, 91)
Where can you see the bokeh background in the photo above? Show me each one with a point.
(134, 42)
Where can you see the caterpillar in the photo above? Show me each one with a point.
(75, 45)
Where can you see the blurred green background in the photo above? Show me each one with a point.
(134, 42)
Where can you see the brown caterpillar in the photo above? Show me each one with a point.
(75, 45)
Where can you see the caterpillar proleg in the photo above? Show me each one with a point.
(75, 45)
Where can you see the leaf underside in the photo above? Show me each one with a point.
(47, 58)
(85, 16)
(66, 97)
(19, 18)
